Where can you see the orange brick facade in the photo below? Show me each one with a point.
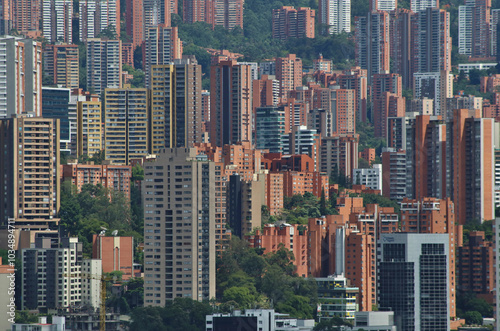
(116, 253)
(112, 177)
(292, 237)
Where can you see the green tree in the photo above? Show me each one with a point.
(109, 32)
(468, 301)
(179, 314)
(282, 258)
(322, 204)
(135, 292)
(473, 318)
(241, 295)
(25, 317)
(137, 173)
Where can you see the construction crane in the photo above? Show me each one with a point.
(102, 304)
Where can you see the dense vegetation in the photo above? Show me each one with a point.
(85, 213)
(247, 278)
(179, 314)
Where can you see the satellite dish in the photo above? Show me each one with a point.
(103, 228)
(102, 233)
(114, 233)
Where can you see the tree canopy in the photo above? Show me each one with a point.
(248, 279)
(179, 314)
(85, 213)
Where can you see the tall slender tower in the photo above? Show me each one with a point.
(179, 266)
(474, 28)
(97, 15)
(126, 133)
(57, 20)
(336, 14)
(162, 46)
(372, 43)
(432, 51)
(288, 73)
(176, 100)
(231, 103)
(470, 165)
(156, 12)
(30, 164)
(21, 91)
(104, 64)
(135, 21)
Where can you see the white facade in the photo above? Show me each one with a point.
(336, 14)
(57, 20)
(159, 49)
(465, 30)
(58, 324)
(266, 320)
(371, 178)
(20, 76)
(419, 5)
(384, 5)
(466, 67)
(374, 320)
(95, 16)
(91, 282)
(254, 69)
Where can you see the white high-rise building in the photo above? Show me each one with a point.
(464, 29)
(419, 5)
(20, 76)
(336, 14)
(91, 282)
(163, 46)
(384, 5)
(57, 18)
(97, 15)
(371, 177)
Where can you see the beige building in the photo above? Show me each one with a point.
(176, 105)
(162, 47)
(61, 62)
(89, 129)
(29, 168)
(126, 133)
(179, 227)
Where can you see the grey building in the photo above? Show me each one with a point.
(244, 200)
(413, 275)
(374, 321)
(179, 227)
